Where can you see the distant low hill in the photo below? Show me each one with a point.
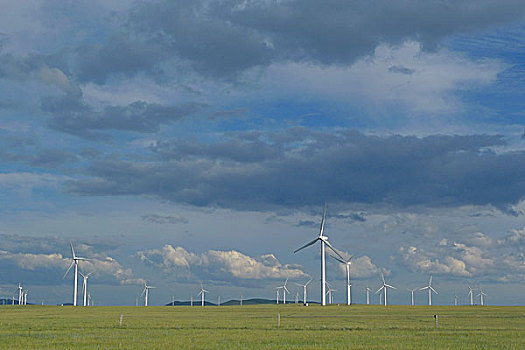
(254, 301)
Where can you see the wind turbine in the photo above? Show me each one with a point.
(348, 264)
(412, 295)
(84, 286)
(20, 294)
(75, 261)
(368, 295)
(145, 292)
(471, 294)
(297, 298)
(201, 293)
(25, 296)
(481, 295)
(384, 287)
(330, 292)
(304, 289)
(430, 290)
(277, 294)
(285, 290)
(324, 242)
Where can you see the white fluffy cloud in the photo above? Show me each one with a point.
(100, 266)
(406, 75)
(362, 267)
(218, 264)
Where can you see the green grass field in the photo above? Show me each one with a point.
(255, 327)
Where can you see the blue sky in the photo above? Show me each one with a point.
(186, 141)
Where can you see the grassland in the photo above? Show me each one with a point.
(255, 327)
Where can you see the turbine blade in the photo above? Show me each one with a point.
(389, 286)
(383, 277)
(144, 291)
(72, 250)
(336, 258)
(432, 289)
(333, 249)
(423, 288)
(308, 282)
(69, 268)
(380, 289)
(306, 245)
(321, 230)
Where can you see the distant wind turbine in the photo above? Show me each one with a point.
(324, 242)
(412, 295)
(384, 287)
(202, 293)
(20, 294)
(430, 290)
(284, 289)
(348, 264)
(481, 295)
(330, 293)
(304, 289)
(84, 287)
(471, 294)
(145, 292)
(75, 261)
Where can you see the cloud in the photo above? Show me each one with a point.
(72, 115)
(363, 267)
(223, 39)
(218, 265)
(164, 219)
(350, 167)
(422, 261)
(43, 263)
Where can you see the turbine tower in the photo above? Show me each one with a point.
(75, 261)
(145, 292)
(368, 295)
(84, 287)
(324, 242)
(430, 290)
(201, 293)
(384, 287)
(304, 290)
(348, 264)
(412, 295)
(481, 295)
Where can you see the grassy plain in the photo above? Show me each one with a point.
(255, 327)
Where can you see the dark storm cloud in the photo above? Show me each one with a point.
(346, 167)
(224, 38)
(70, 114)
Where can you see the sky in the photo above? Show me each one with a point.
(197, 141)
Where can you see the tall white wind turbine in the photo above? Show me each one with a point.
(202, 293)
(430, 290)
(284, 289)
(324, 242)
(412, 295)
(471, 294)
(348, 264)
(84, 287)
(384, 287)
(481, 295)
(20, 294)
(304, 290)
(368, 295)
(75, 261)
(145, 292)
